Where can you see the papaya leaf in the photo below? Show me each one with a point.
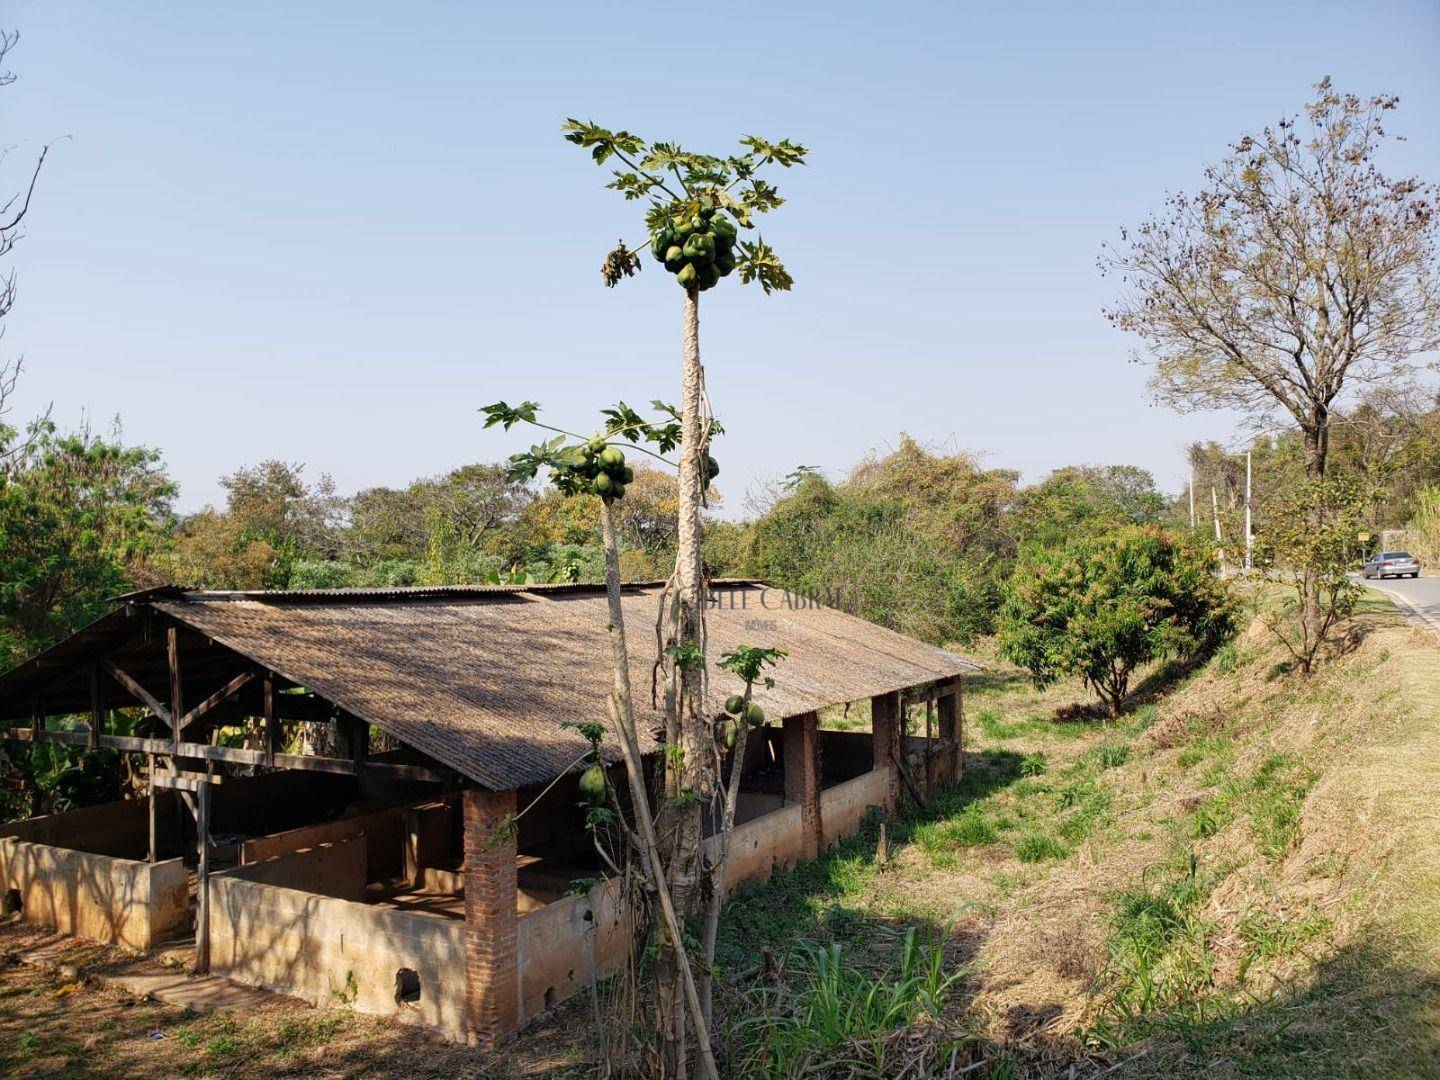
(501, 413)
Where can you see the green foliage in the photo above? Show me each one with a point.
(1037, 847)
(1310, 544)
(1102, 605)
(835, 1016)
(76, 512)
(697, 202)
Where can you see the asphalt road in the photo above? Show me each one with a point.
(1418, 598)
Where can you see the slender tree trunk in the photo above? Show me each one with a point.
(1317, 450)
(689, 780)
(719, 868)
(622, 714)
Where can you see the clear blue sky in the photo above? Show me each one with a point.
(329, 232)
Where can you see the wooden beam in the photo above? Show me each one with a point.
(241, 756)
(137, 691)
(191, 782)
(152, 853)
(177, 690)
(909, 783)
(227, 691)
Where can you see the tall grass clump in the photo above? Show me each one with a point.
(828, 1015)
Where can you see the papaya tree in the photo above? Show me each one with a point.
(699, 212)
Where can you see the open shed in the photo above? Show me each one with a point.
(329, 771)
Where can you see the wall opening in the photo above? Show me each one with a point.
(407, 987)
(13, 901)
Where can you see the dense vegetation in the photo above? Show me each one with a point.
(917, 539)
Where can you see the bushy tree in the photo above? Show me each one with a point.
(77, 511)
(1102, 605)
(1310, 545)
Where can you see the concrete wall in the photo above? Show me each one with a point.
(843, 807)
(324, 949)
(98, 897)
(555, 953)
(384, 832)
(119, 829)
(336, 869)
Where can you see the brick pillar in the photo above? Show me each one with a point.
(948, 709)
(886, 732)
(802, 777)
(492, 973)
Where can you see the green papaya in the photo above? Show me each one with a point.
(725, 261)
(722, 226)
(706, 276)
(603, 484)
(627, 475)
(596, 445)
(612, 457)
(755, 715)
(674, 258)
(700, 246)
(712, 470)
(686, 275)
(729, 731)
(618, 491)
(734, 704)
(592, 784)
(658, 246)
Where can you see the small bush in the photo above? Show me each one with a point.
(1033, 764)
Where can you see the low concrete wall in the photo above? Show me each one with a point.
(327, 950)
(843, 807)
(336, 869)
(120, 829)
(554, 946)
(98, 897)
(384, 832)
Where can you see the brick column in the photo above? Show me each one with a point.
(492, 973)
(886, 732)
(948, 709)
(802, 777)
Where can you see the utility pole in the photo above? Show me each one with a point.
(1249, 534)
(1215, 512)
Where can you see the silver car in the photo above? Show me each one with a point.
(1385, 564)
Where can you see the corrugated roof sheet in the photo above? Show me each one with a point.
(483, 679)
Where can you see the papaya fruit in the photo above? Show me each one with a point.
(755, 715)
(706, 276)
(603, 484)
(596, 445)
(725, 262)
(722, 226)
(734, 704)
(674, 258)
(618, 491)
(700, 246)
(729, 731)
(686, 275)
(712, 470)
(592, 784)
(627, 475)
(611, 458)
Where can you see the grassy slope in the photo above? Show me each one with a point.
(1303, 939)
(1240, 880)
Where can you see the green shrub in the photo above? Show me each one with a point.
(1102, 605)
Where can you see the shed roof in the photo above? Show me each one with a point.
(483, 679)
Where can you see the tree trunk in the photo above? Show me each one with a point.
(1317, 450)
(675, 983)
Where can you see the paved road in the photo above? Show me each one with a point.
(1418, 597)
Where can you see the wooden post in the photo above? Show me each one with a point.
(271, 736)
(202, 881)
(153, 852)
(177, 696)
(97, 706)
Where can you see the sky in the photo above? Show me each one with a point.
(328, 233)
